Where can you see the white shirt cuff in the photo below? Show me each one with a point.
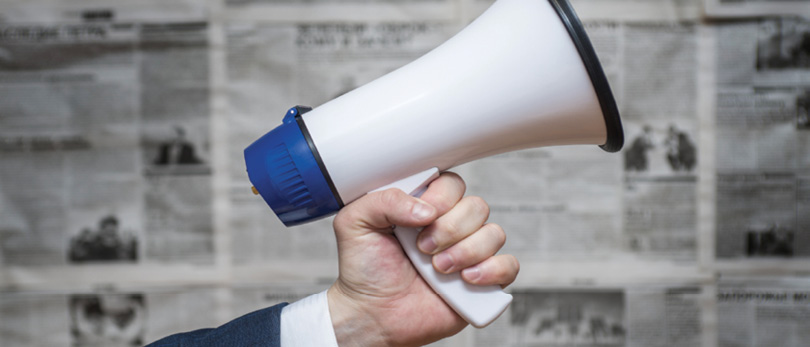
(307, 322)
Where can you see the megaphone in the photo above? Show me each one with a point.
(522, 75)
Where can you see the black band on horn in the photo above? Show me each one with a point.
(613, 123)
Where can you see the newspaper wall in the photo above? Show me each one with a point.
(126, 214)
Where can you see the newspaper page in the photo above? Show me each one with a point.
(762, 139)
(643, 315)
(763, 312)
(104, 317)
(756, 8)
(661, 160)
(103, 140)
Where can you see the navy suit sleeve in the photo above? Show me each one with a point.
(260, 328)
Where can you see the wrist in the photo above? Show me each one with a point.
(352, 326)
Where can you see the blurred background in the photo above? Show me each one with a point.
(126, 214)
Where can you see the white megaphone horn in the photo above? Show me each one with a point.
(522, 75)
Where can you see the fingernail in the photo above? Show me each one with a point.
(472, 274)
(427, 245)
(422, 211)
(443, 262)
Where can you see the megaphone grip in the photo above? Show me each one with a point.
(478, 305)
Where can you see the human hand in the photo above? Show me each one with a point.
(379, 299)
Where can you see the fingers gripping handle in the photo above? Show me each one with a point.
(478, 305)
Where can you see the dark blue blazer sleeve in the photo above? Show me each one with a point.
(260, 328)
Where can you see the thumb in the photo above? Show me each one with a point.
(382, 210)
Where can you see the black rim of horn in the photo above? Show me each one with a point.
(613, 123)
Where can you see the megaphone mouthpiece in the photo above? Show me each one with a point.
(288, 173)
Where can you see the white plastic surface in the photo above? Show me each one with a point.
(478, 305)
(512, 79)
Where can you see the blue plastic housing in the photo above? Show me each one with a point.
(286, 174)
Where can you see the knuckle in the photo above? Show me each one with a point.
(455, 177)
(443, 202)
(502, 274)
(464, 254)
(390, 197)
(497, 231)
(478, 204)
(514, 263)
(343, 217)
(346, 218)
(339, 221)
(506, 269)
(445, 231)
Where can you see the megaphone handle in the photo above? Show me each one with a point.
(478, 305)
